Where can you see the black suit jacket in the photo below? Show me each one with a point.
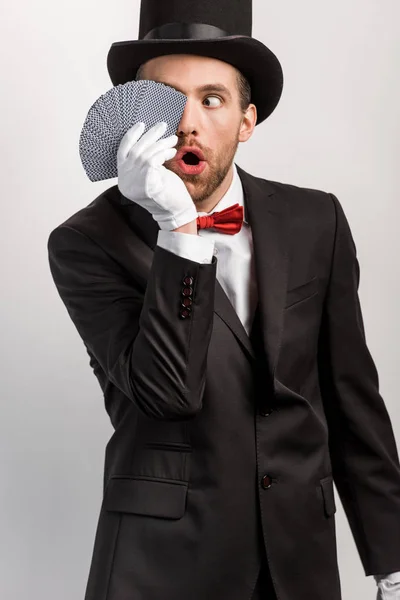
(186, 499)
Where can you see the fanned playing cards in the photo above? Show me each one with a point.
(116, 111)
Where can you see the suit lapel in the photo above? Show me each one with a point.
(268, 218)
(110, 224)
(225, 310)
(266, 214)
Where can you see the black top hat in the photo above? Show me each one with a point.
(214, 28)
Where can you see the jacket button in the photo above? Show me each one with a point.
(266, 482)
(188, 280)
(266, 412)
(187, 302)
(184, 313)
(187, 291)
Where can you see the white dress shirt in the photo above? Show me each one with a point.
(235, 266)
(236, 274)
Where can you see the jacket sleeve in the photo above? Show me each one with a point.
(152, 354)
(364, 457)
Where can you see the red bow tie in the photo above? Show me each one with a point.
(228, 221)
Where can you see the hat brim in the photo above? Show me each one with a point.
(257, 63)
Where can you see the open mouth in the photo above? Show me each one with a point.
(191, 162)
(190, 158)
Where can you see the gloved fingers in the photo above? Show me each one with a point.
(130, 138)
(163, 144)
(148, 139)
(159, 158)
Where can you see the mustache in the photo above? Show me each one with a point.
(181, 143)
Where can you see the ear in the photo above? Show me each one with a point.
(249, 120)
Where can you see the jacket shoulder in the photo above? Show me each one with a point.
(301, 201)
(295, 192)
(89, 212)
(291, 191)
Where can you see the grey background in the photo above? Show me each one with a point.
(336, 129)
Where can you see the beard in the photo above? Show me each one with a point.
(218, 165)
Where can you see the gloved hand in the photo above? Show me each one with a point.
(143, 179)
(388, 586)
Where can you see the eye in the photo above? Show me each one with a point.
(217, 97)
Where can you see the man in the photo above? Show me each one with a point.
(231, 354)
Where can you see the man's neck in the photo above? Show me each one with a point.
(212, 201)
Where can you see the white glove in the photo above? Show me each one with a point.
(143, 179)
(388, 586)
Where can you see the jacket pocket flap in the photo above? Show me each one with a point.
(302, 292)
(329, 495)
(153, 497)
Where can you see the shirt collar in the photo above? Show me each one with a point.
(233, 195)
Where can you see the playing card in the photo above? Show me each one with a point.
(157, 102)
(116, 111)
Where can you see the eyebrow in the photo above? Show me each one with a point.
(209, 87)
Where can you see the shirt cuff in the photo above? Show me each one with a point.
(187, 245)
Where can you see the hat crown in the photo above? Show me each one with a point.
(234, 17)
(219, 29)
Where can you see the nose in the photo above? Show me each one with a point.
(189, 121)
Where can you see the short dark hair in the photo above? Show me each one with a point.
(242, 83)
(244, 91)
